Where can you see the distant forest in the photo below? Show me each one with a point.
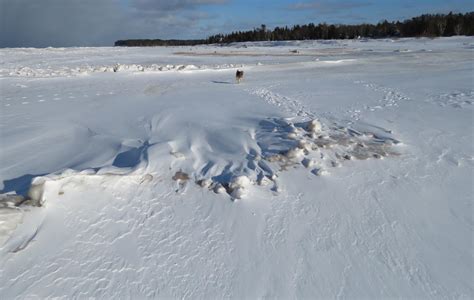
(428, 25)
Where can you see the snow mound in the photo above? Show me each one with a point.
(276, 146)
(281, 145)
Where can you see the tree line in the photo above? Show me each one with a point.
(427, 25)
(158, 42)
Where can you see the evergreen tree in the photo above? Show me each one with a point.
(432, 25)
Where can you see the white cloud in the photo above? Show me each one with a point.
(172, 5)
(328, 6)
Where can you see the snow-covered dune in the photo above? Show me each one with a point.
(335, 169)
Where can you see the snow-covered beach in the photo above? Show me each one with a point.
(335, 169)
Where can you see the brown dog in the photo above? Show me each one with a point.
(239, 75)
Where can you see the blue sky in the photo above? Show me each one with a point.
(286, 12)
(42, 23)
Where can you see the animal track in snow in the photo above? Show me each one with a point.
(457, 99)
(391, 97)
(287, 104)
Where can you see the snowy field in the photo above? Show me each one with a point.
(336, 169)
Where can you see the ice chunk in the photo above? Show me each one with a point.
(219, 189)
(319, 172)
(308, 163)
(295, 153)
(314, 126)
(35, 193)
(239, 182)
(204, 183)
(238, 193)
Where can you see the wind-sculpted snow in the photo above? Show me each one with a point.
(334, 169)
(282, 145)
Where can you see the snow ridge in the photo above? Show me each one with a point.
(25, 71)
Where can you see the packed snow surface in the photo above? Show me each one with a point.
(335, 169)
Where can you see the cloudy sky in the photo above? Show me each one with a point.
(62, 23)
